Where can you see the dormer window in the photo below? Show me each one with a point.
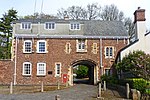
(75, 26)
(26, 25)
(50, 25)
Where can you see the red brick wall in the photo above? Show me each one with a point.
(6, 71)
(107, 62)
(56, 53)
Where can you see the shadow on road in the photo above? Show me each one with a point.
(81, 81)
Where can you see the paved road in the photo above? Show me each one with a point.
(77, 92)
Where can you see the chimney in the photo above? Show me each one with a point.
(66, 17)
(140, 26)
(139, 15)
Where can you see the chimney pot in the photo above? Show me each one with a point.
(66, 17)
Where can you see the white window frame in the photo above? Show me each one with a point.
(50, 25)
(27, 24)
(24, 46)
(68, 48)
(38, 50)
(75, 26)
(79, 43)
(56, 70)
(109, 53)
(23, 70)
(94, 48)
(107, 69)
(38, 69)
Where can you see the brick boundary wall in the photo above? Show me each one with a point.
(6, 71)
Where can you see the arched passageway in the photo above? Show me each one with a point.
(92, 71)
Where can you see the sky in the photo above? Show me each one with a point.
(27, 7)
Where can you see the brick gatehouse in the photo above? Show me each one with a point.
(46, 50)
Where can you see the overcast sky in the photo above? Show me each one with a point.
(26, 7)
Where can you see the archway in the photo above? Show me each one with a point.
(92, 70)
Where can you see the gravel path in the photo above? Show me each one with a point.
(77, 92)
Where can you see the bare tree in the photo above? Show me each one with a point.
(129, 25)
(111, 12)
(74, 12)
(77, 12)
(83, 14)
(62, 13)
(93, 11)
(42, 15)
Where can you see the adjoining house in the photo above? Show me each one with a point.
(46, 50)
(141, 38)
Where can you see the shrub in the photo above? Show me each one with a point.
(147, 91)
(139, 84)
(109, 79)
(137, 63)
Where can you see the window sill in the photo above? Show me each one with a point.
(42, 52)
(41, 75)
(28, 52)
(25, 75)
(107, 57)
(25, 29)
(74, 29)
(57, 75)
(50, 29)
(81, 51)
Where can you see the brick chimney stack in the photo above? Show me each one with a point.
(140, 26)
(139, 15)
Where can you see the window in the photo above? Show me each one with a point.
(109, 52)
(26, 25)
(107, 72)
(27, 48)
(68, 48)
(49, 25)
(75, 26)
(58, 69)
(81, 45)
(41, 68)
(94, 48)
(41, 46)
(27, 68)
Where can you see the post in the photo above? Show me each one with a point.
(139, 95)
(57, 97)
(104, 86)
(42, 87)
(58, 85)
(127, 90)
(11, 88)
(67, 84)
(99, 90)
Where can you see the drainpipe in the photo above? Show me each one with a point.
(101, 59)
(15, 62)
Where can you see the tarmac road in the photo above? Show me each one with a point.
(77, 92)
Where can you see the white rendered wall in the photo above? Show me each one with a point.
(143, 43)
